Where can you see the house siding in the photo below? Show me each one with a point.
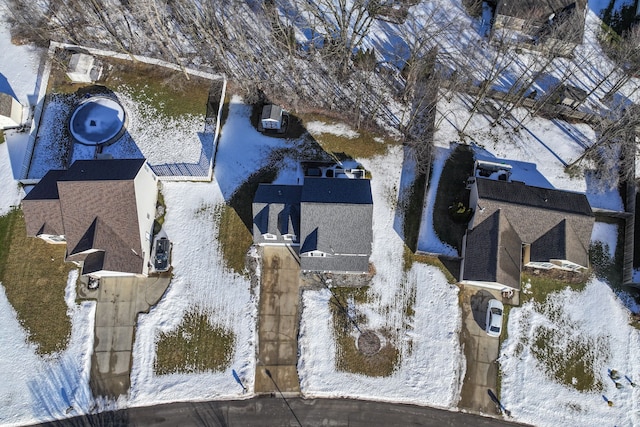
(146, 198)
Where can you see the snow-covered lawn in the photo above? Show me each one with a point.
(429, 347)
(594, 319)
(34, 388)
(203, 284)
(592, 324)
(427, 342)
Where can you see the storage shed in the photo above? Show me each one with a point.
(10, 111)
(271, 117)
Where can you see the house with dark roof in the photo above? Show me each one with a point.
(328, 219)
(103, 210)
(516, 225)
(556, 26)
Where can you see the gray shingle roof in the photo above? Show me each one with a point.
(276, 210)
(337, 264)
(103, 170)
(519, 193)
(493, 252)
(561, 242)
(97, 205)
(334, 215)
(47, 188)
(336, 190)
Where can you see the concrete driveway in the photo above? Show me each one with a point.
(119, 300)
(481, 351)
(278, 321)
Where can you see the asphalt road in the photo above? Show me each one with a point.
(268, 411)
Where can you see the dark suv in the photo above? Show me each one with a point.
(161, 262)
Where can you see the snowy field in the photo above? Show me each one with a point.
(36, 389)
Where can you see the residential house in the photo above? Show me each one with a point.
(555, 26)
(103, 210)
(10, 111)
(516, 225)
(328, 219)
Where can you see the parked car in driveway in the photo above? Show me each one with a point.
(494, 318)
(161, 262)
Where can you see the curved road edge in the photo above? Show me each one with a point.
(268, 411)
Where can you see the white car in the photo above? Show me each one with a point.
(494, 318)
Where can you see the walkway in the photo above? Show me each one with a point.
(278, 322)
(119, 300)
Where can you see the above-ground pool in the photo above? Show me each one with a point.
(97, 120)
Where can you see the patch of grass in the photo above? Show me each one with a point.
(195, 346)
(234, 238)
(538, 288)
(169, 92)
(348, 358)
(1, 137)
(363, 146)
(567, 357)
(35, 275)
(410, 258)
(451, 190)
(413, 211)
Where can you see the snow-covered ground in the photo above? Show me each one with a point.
(202, 284)
(34, 388)
(592, 322)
